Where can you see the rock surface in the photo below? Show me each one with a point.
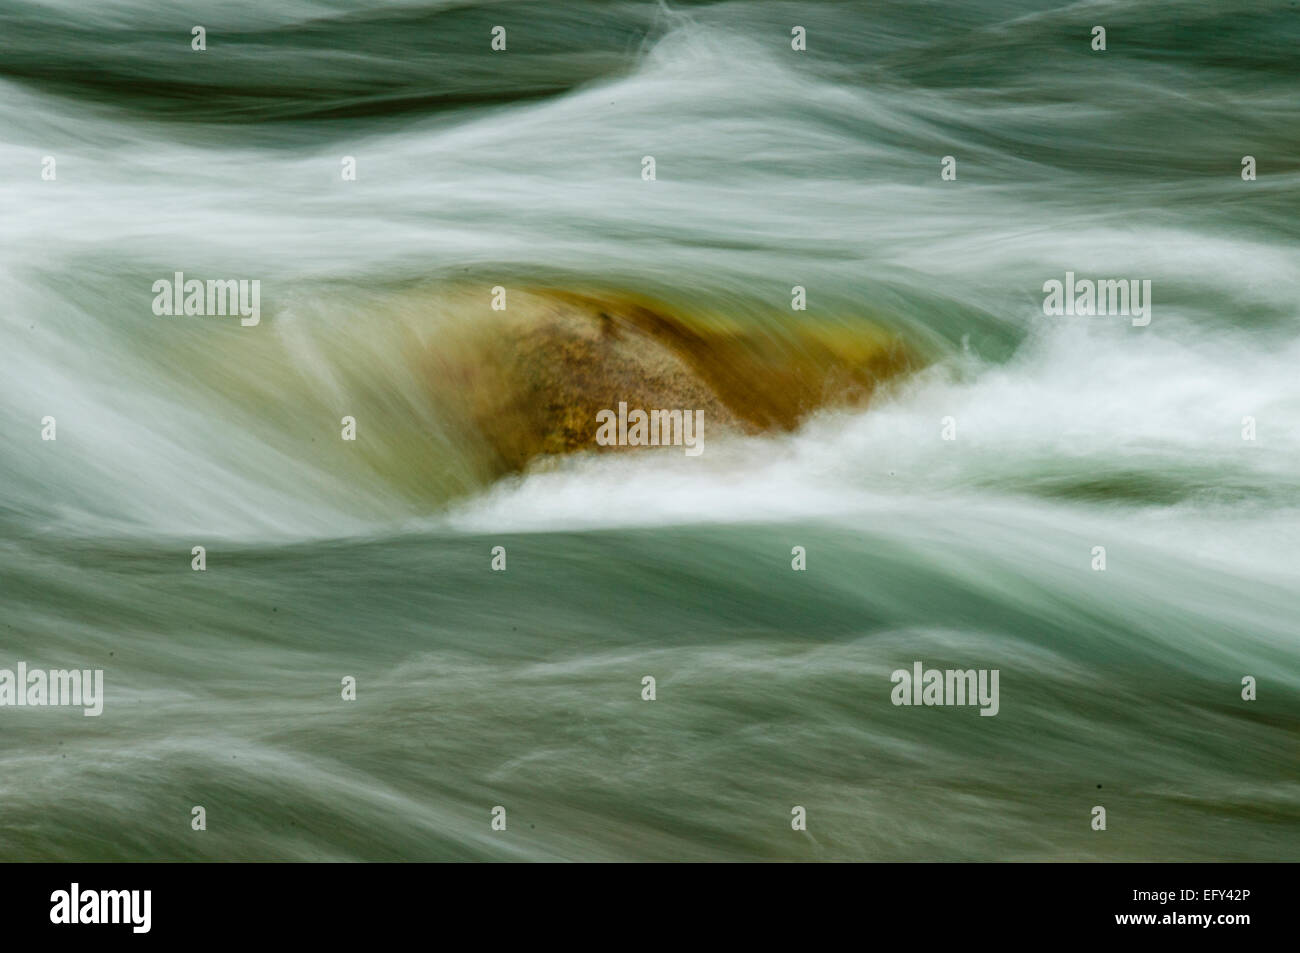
(530, 380)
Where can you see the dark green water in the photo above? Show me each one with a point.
(523, 688)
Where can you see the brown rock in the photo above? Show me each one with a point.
(529, 381)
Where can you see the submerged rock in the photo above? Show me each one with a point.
(530, 380)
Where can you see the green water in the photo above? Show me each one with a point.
(522, 688)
